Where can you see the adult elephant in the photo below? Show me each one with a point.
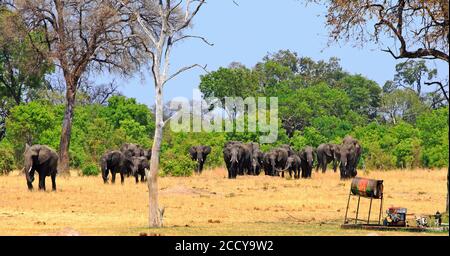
(251, 159)
(139, 167)
(293, 164)
(115, 162)
(350, 140)
(131, 150)
(135, 150)
(44, 161)
(289, 149)
(347, 154)
(257, 162)
(199, 154)
(235, 154)
(307, 156)
(326, 153)
(275, 161)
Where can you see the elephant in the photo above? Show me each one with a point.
(275, 161)
(349, 154)
(257, 161)
(131, 150)
(234, 154)
(350, 140)
(293, 164)
(43, 160)
(115, 162)
(140, 165)
(199, 154)
(307, 156)
(326, 153)
(289, 149)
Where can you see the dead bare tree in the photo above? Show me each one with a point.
(162, 24)
(81, 35)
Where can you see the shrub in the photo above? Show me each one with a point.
(178, 165)
(7, 163)
(90, 170)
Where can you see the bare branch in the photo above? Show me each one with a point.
(184, 70)
(197, 37)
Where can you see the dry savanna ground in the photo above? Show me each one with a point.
(211, 204)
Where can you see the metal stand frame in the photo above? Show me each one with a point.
(346, 220)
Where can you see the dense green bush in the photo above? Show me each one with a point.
(7, 162)
(90, 170)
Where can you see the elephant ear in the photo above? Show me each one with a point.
(206, 150)
(279, 156)
(328, 151)
(44, 155)
(193, 153)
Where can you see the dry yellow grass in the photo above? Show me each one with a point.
(210, 204)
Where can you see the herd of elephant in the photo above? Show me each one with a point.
(131, 159)
(240, 159)
(247, 159)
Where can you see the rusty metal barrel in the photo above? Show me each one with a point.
(367, 188)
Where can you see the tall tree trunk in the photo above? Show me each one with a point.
(154, 214)
(63, 165)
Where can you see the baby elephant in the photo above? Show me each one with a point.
(293, 164)
(139, 167)
(43, 160)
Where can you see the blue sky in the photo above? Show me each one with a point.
(246, 33)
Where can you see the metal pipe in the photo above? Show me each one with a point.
(346, 211)
(357, 210)
(381, 207)
(370, 209)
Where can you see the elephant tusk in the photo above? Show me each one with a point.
(29, 170)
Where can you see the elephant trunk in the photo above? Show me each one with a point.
(27, 174)
(288, 165)
(234, 159)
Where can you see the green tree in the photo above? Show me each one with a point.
(364, 95)
(401, 105)
(411, 74)
(120, 109)
(237, 81)
(433, 132)
(22, 67)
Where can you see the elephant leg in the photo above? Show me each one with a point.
(54, 181)
(324, 165)
(334, 165)
(41, 181)
(143, 177)
(319, 163)
(136, 177)
(113, 177)
(122, 178)
(105, 173)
